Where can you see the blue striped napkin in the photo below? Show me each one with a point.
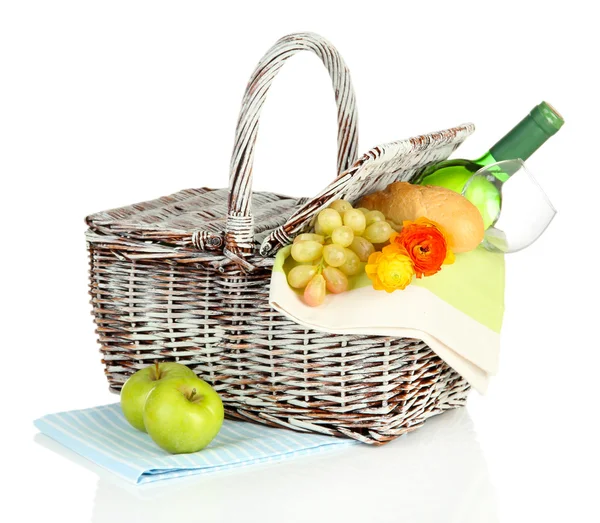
(103, 435)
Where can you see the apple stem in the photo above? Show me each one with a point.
(193, 397)
(156, 369)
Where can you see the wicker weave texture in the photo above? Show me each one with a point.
(240, 228)
(179, 279)
(266, 367)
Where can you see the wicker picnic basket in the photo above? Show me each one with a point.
(186, 278)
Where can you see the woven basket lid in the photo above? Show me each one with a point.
(188, 217)
(195, 219)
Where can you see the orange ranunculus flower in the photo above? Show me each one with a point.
(426, 244)
(390, 269)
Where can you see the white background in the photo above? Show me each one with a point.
(107, 103)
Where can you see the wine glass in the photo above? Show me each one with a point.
(514, 207)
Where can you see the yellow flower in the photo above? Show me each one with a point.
(390, 269)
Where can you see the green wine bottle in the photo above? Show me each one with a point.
(521, 142)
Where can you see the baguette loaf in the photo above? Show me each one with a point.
(460, 219)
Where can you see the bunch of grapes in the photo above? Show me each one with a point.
(343, 238)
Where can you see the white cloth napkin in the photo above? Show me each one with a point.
(457, 312)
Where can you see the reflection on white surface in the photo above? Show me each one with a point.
(435, 474)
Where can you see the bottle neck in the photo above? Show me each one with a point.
(528, 135)
(486, 159)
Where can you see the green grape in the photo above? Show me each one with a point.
(315, 291)
(309, 236)
(364, 210)
(329, 219)
(355, 220)
(306, 251)
(334, 255)
(300, 275)
(362, 247)
(395, 226)
(340, 206)
(335, 280)
(378, 232)
(319, 229)
(352, 265)
(342, 236)
(374, 216)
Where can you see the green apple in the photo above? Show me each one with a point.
(137, 387)
(183, 415)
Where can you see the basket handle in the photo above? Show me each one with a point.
(239, 236)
